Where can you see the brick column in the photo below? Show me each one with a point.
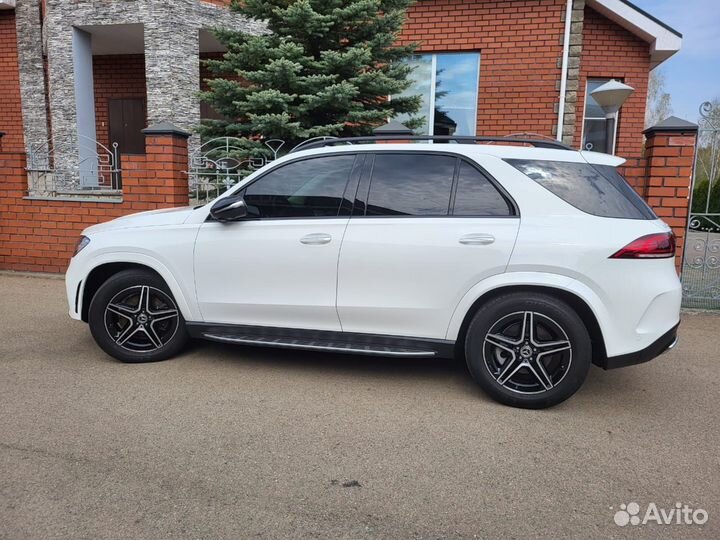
(159, 178)
(670, 153)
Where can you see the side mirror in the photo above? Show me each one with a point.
(229, 209)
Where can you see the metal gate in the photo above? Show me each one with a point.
(701, 261)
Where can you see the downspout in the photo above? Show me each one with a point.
(563, 75)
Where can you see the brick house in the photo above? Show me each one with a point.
(88, 75)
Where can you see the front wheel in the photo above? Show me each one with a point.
(528, 350)
(134, 318)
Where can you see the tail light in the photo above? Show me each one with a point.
(650, 246)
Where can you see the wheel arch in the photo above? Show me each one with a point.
(99, 275)
(103, 270)
(579, 304)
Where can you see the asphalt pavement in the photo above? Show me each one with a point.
(236, 442)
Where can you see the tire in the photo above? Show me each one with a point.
(522, 369)
(133, 317)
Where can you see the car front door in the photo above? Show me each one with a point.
(425, 229)
(278, 267)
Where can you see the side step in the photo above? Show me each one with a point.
(314, 345)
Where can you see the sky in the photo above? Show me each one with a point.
(693, 74)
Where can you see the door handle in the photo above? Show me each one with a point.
(316, 239)
(477, 239)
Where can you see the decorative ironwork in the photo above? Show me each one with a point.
(299, 146)
(59, 169)
(701, 260)
(220, 163)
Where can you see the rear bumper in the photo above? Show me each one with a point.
(663, 343)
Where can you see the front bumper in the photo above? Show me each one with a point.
(664, 343)
(74, 290)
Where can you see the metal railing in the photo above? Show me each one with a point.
(60, 169)
(222, 162)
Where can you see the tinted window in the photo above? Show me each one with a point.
(410, 185)
(308, 188)
(476, 196)
(597, 190)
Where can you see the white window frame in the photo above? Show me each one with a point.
(584, 117)
(431, 100)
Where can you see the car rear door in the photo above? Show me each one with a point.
(426, 227)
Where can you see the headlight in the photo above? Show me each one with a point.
(81, 243)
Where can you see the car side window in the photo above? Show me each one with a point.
(308, 188)
(595, 189)
(477, 196)
(410, 185)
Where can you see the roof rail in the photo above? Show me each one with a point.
(538, 143)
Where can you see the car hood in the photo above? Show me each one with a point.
(151, 218)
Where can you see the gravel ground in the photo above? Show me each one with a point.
(234, 442)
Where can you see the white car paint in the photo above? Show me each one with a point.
(394, 273)
(270, 272)
(397, 276)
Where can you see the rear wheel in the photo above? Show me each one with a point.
(134, 318)
(528, 350)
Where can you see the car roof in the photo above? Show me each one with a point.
(501, 151)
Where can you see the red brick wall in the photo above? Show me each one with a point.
(670, 159)
(116, 77)
(10, 106)
(635, 172)
(519, 44)
(610, 51)
(39, 235)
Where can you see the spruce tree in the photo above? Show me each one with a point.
(324, 68)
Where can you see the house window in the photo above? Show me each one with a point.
(595, 124)
(448, 84)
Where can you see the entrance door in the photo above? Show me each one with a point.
(126, 120)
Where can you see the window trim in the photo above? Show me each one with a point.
(345, 208)
(616, 116)
(363, 189)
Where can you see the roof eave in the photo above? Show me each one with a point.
(664, 40)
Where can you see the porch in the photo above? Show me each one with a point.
(117, 90)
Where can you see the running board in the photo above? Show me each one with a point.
(292, 343)
(328, 341)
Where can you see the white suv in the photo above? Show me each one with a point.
(531, 261)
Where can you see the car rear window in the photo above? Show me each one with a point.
(599, 190)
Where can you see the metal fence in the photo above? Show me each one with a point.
(701, 260)
(220, 163)
(59, 169)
